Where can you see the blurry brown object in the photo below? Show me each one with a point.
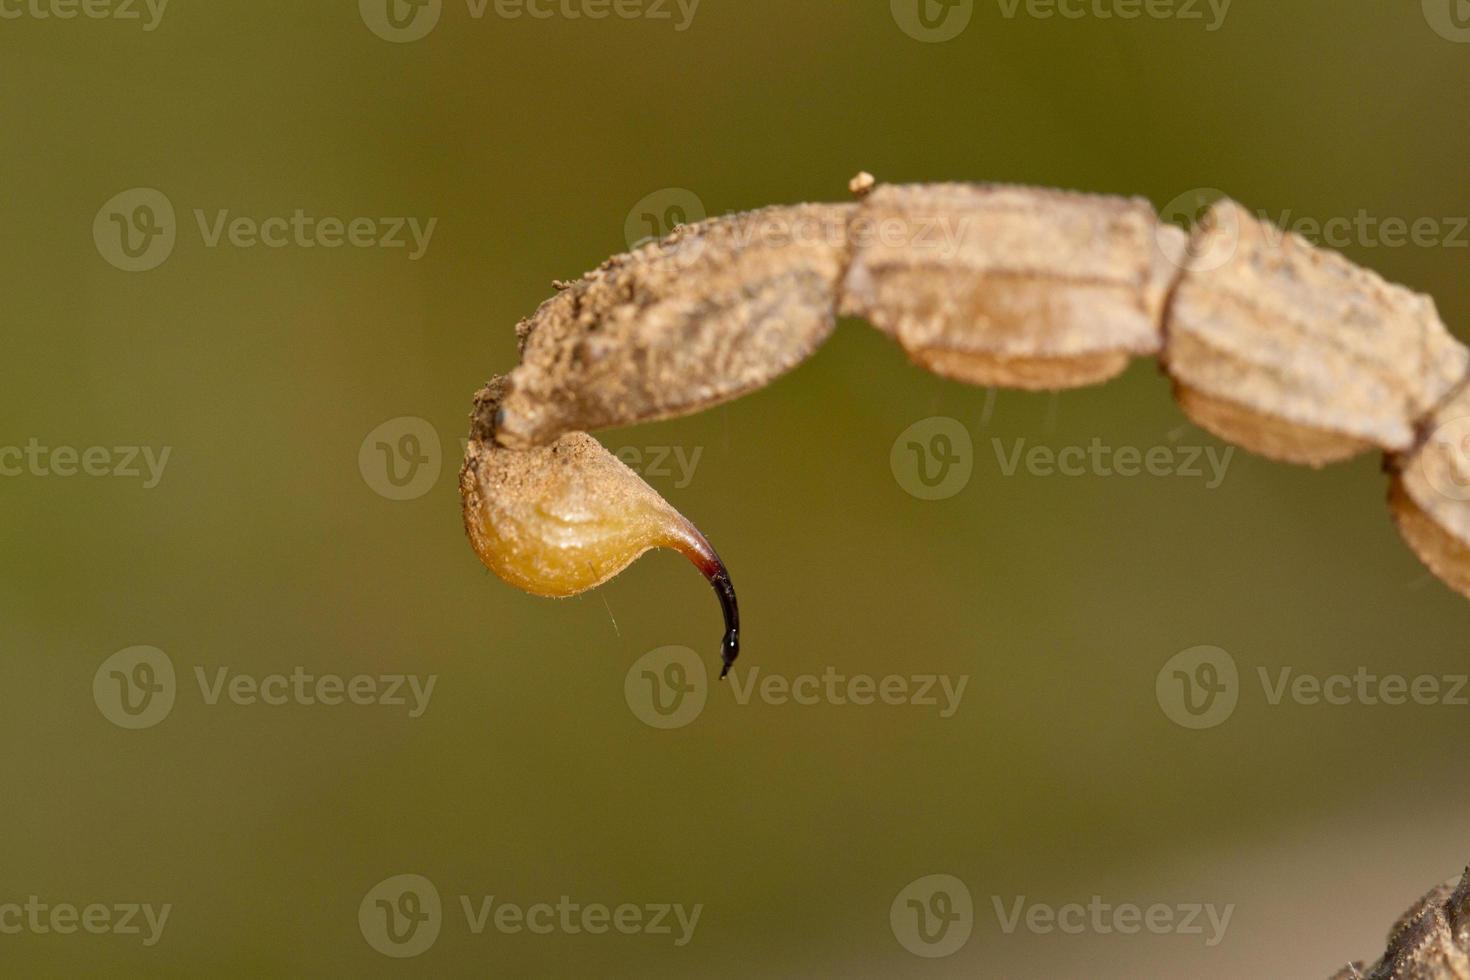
(1429, 942)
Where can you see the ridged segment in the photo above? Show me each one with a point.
(1294, 352)
(1012, 286)
(716, 310)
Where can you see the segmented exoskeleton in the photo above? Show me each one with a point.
(1431, 941)
(1284, 348)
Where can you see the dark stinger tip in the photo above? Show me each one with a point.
(729, 651)
(730, 648)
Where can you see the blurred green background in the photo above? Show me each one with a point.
(266, 548)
